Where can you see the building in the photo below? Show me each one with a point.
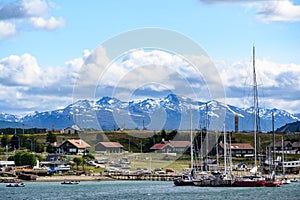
(171, 146)
(287, 146)
(296, 147)
(71, 130)
(238, 149)
(109, 147)
(73, 146)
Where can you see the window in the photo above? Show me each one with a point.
(72, 150)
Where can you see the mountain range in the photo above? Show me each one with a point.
(169, 113)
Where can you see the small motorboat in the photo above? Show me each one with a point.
(294, 180)
(15, 185)
(70, 182)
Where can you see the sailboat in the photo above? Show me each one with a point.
(215, 179)
(254, 180)
(187, 179)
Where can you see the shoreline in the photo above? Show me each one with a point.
(71, 178)
(93, 178)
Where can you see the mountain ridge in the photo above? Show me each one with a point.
(170, 113)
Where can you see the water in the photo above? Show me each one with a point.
(117, 190)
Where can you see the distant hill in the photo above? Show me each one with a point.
(293, 127)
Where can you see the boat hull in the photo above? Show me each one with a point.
(180, 182)
(213, 183)
(249, 183)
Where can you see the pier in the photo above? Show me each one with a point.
(144, 177)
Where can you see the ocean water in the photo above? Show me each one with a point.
(117, 190)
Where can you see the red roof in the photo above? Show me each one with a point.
(171, 143)
(159, 146)
(79, 143)
(112, 144)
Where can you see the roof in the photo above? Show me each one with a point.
(111, 144)
(79, 143)
(236, 146)
(296, 144)
(159, 146)
(171, 143)
(279, 143)
(180, 143)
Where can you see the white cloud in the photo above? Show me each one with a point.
(283, 10)
(278, 84)
(47, 24)
(7, 30)
(20, 70)
(25, 86)
(153, 71)
(19, 14)
(267, 11)
(35, 7)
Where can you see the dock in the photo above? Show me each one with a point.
(144, 177)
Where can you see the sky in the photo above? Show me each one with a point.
(55, 52)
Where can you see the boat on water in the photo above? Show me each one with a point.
(15, 184)
(213, 180)
(70, 182)
(216, 179)
(184, 180)
(187, 179)
(285, 181)
(250, 181)
(270, 183)
(253, 180)
(294, 180)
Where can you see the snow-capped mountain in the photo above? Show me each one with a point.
(171, 112)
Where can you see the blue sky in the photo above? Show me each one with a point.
(43, 45)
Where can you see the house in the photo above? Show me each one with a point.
(287, 146)
(237, 149)
(296, 147)
(171, 146)
(71, 130)
(109, 147)
(53, 157)
(73, 146)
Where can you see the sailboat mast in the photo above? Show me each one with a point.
(273, 131)
(254, 107)
(206, 135)
(191, 124)
(225, 152)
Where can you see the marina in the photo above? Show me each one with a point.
(143, 190)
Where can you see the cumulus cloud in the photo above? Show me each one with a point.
(283, 10)
(25, 85)
(139, 71)
(18, 14)
(267, 11)
(278, 84)
(47, 24)
(23, 9)
(7, 30)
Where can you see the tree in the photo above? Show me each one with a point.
(5, 140)
(51, 138)
(163, 134)
(77, 161)
(22, 158)
(88, 157)
(14, 142)
(50, 149)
